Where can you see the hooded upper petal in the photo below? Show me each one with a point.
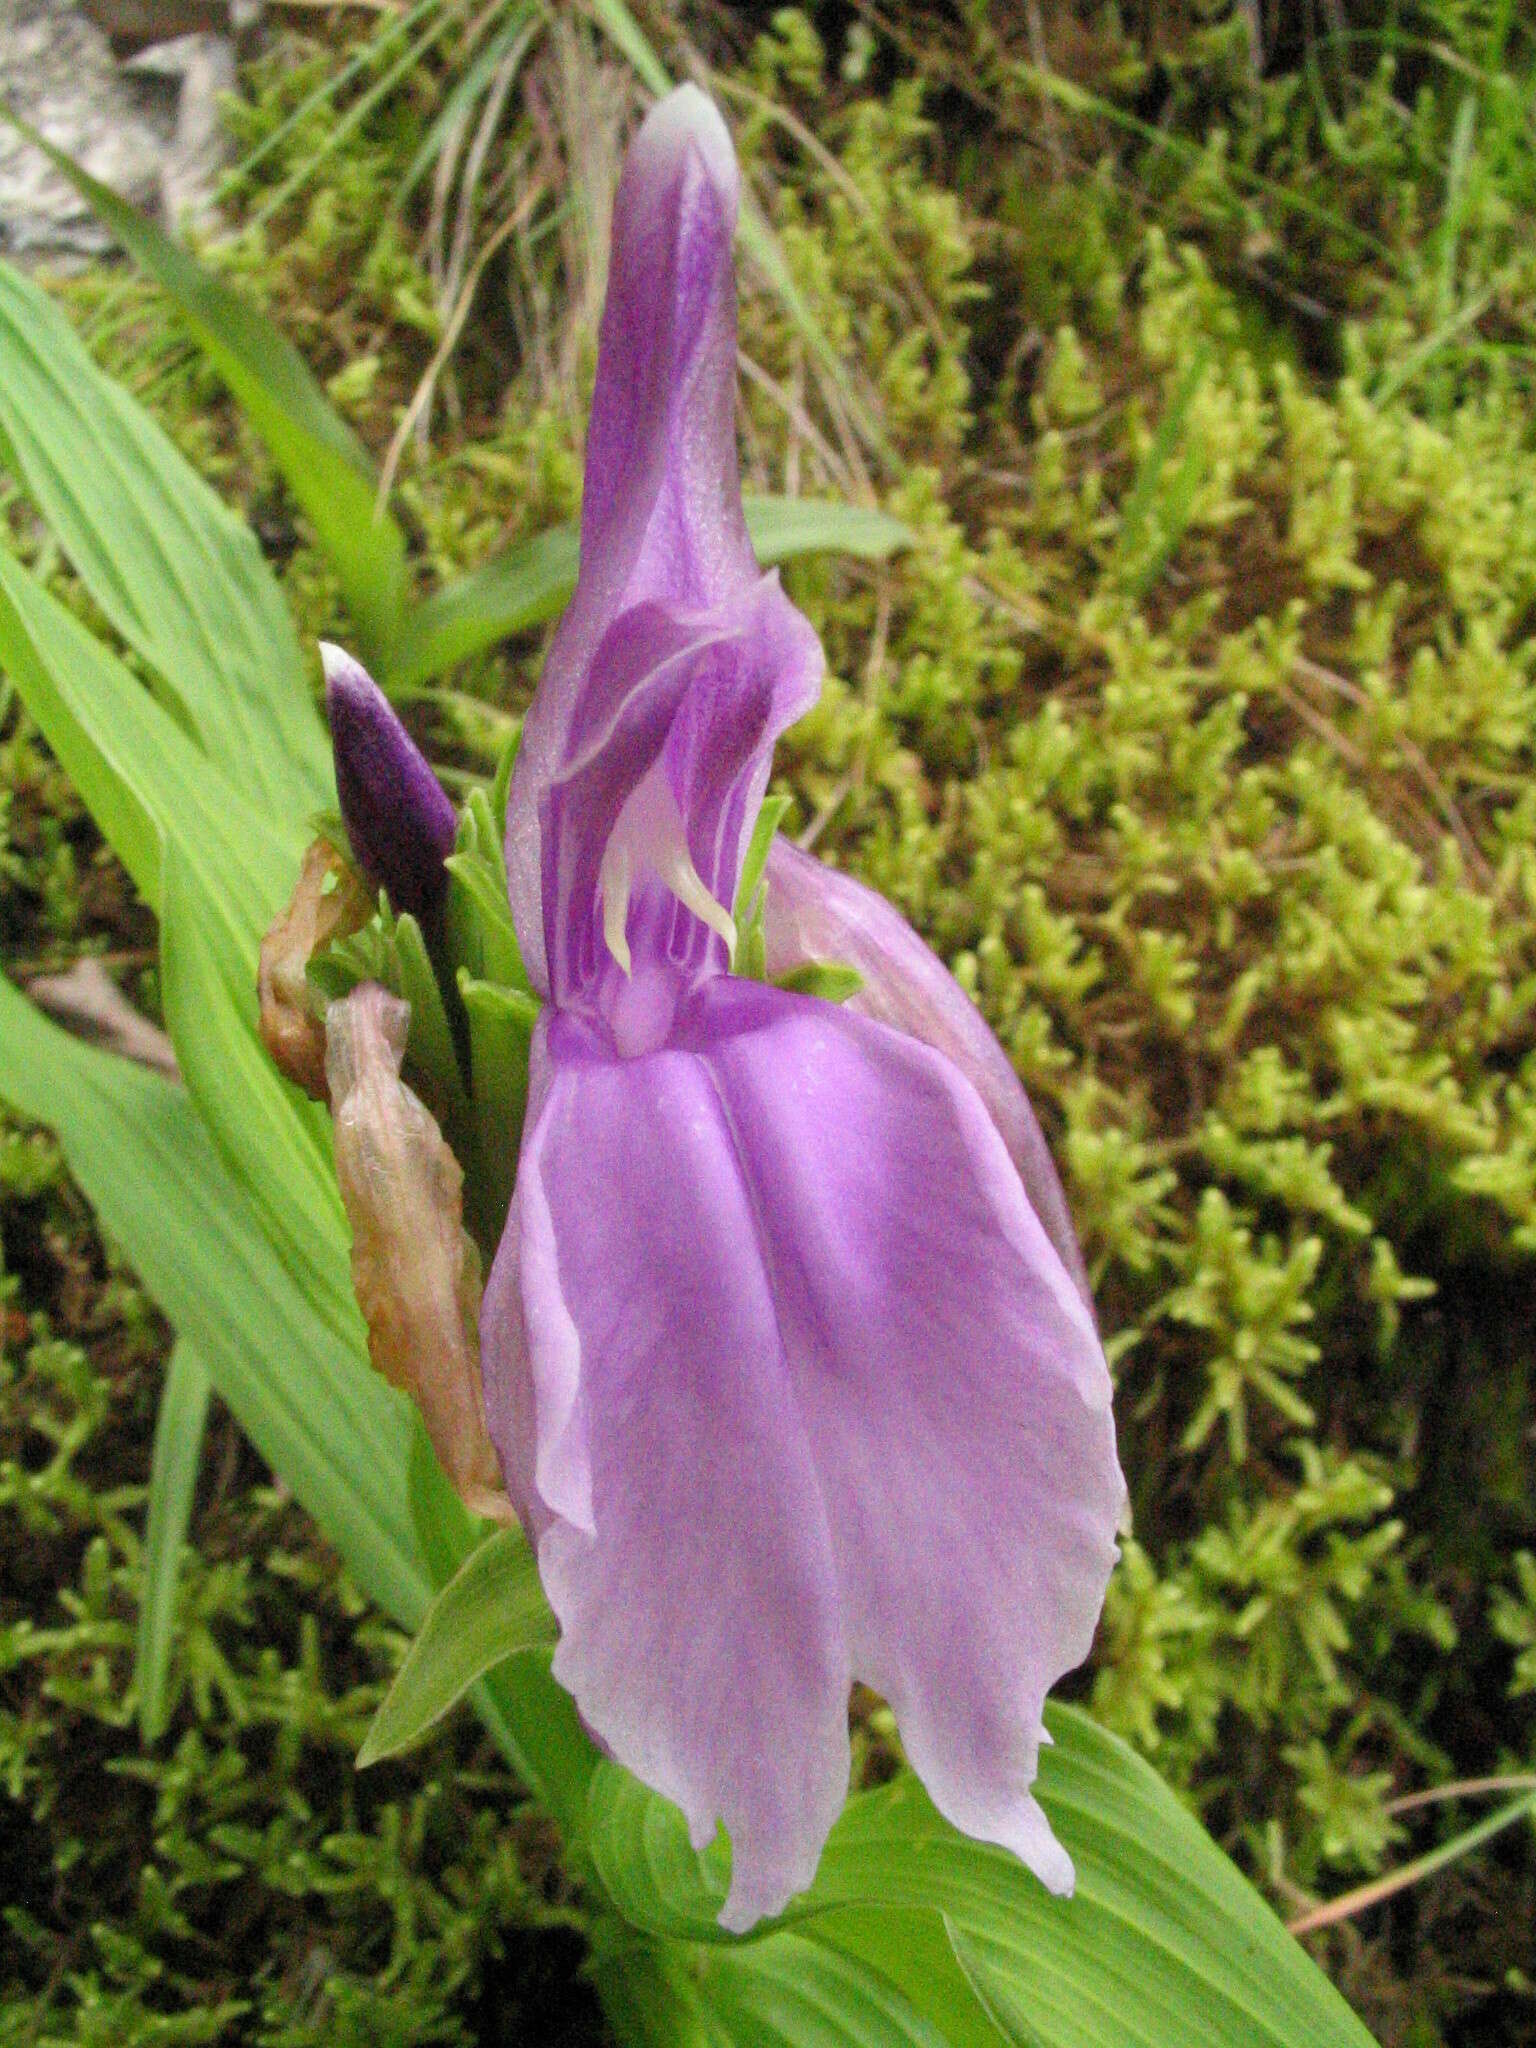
(669, 758)
(810, 1395)
(814, 914)
(661, 507)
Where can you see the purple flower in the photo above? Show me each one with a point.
(400, 823)
(791, 1379)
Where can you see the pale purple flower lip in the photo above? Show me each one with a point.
(815, 914)
(791, 1374)
(400, 822)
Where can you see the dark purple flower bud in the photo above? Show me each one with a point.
(400, 823)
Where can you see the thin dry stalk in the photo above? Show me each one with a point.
(474, 165)
(1417, 761)
(804, 426)
(422, 396)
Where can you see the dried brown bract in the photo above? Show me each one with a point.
(416, 1274)
(328, 903)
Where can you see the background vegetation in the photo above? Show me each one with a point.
(1196, 343)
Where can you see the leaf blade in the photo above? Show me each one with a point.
(172, 1489)
(179, 577)
(492, 1608)
(789, 1991)
(137, 1149)
(1164, 1945)
(138, 773)
(325, 465)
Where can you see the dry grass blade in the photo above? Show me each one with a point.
(87, 1001)
(422, 396)
(1463, 1788)
(1373, 1894)
(1418, 764)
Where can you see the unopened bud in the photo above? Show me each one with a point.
(415, 1272)
(400, 824)
(327, 904)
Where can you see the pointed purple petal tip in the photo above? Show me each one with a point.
(400, 823)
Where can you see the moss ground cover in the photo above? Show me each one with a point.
(1197, 347)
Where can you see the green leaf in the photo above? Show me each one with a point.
(482, 938)
(274, 1142)
(1164, 1941)
(828, 979)
(137, 772)
(912, 1950)
(172, 1488)
(310, 1403)
(432, 1046)
(491, 1609)
(1164, 1945)
(769, 819)
(649, 1990)
(513, 591)
(789, 1991)
(325, 465)
(997, 1995)
(531, 582)
(640, 1849)
(782, 528)
(501, 1022)
(179, 577)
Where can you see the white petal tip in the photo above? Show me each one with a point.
(344, 672)
(743, 1909)
(1048, 1860)
(1026, 1831)
(688, 117)
(702, 1829)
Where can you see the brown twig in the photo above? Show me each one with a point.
(88, 1002)
(1416, 759)
(453, 327)
(1382, 1888)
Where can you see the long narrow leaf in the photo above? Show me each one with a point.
(508, 594)
(136, 1146)
(137, 771)
(172, 1488)
(326, 467)
(177, 574)
(274, 1142)
(782, 528)
(326, 1424)
(531, 582)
